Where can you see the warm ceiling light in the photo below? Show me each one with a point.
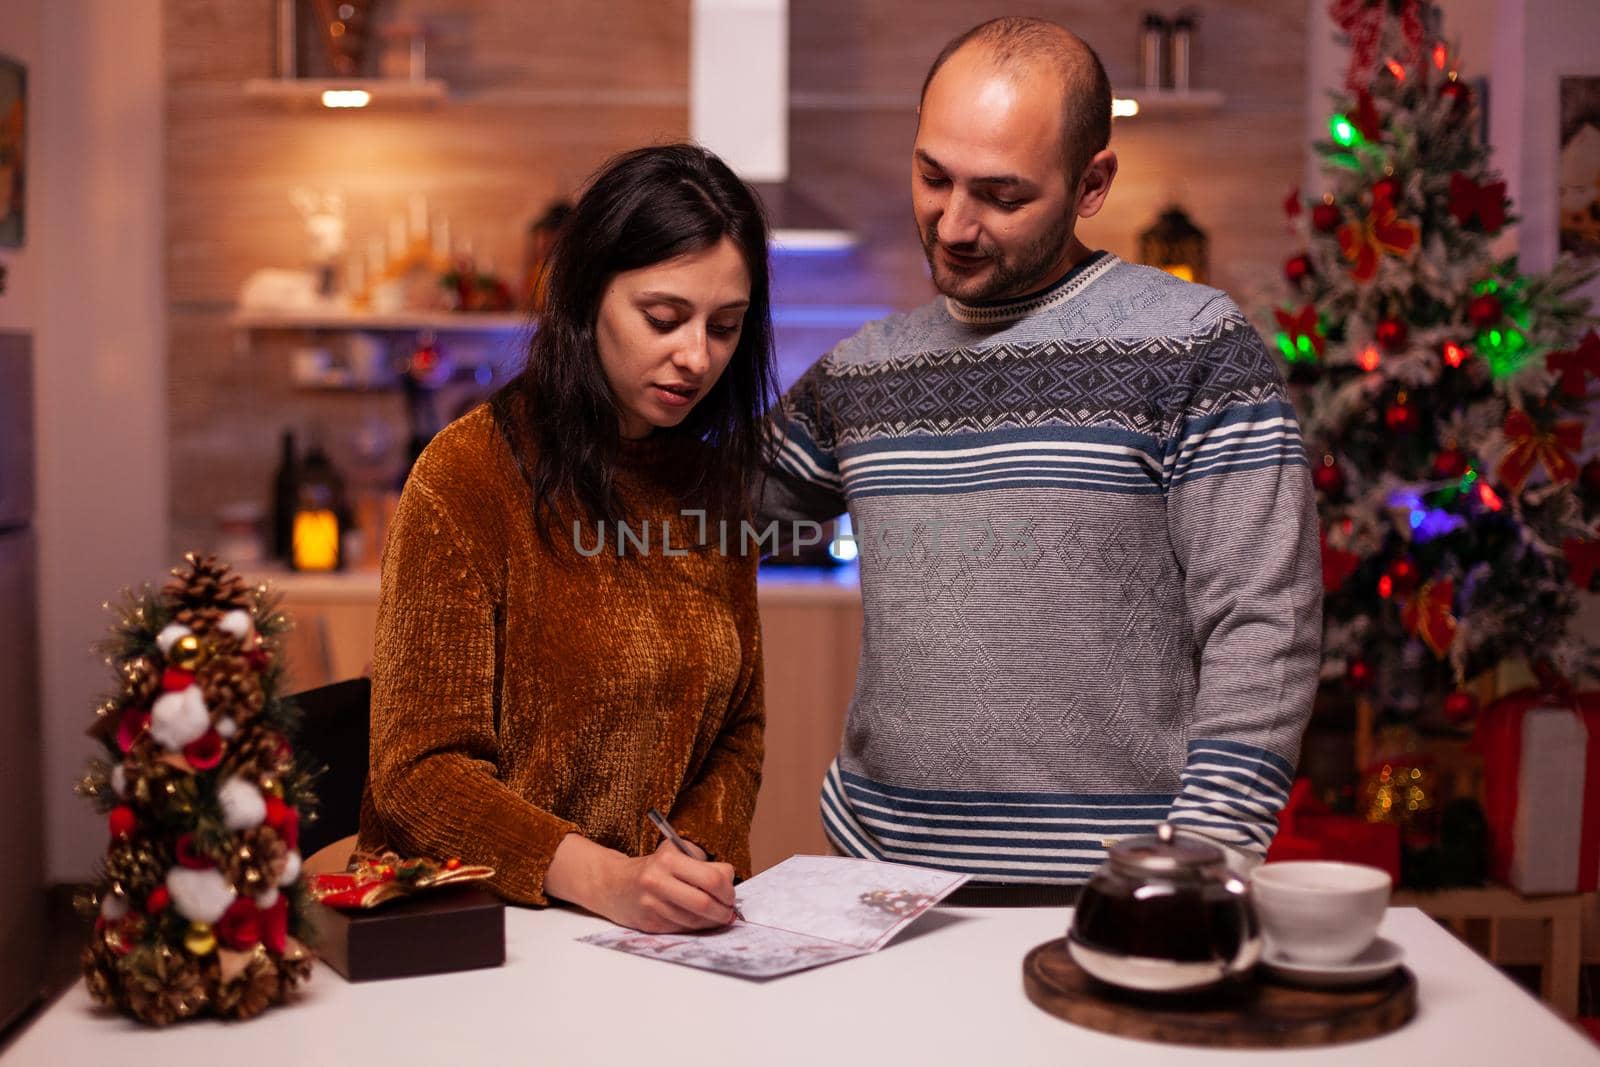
(1123, 108)
(346, 98)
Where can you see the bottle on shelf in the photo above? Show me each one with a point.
(1152, 51)
(1180, 50)
(284, 483)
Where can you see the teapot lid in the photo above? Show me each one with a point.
(1164, 852)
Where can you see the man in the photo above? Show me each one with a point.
(1089, 554)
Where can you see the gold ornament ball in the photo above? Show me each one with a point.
(187, 652)
(199, 939)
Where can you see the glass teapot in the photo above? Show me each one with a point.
(1164, 914)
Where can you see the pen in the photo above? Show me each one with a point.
(679, 843)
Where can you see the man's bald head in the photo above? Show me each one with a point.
(1023, 47)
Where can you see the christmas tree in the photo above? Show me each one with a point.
(199, 906)
(1442, 394)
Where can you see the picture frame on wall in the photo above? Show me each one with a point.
(1578, 174)
(13, 151)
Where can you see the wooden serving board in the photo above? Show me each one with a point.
(1257, 1013)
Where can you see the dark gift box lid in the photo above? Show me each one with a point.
(431, 933)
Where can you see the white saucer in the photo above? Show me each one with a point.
(1377, 960)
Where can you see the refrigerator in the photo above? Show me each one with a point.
(23, 911)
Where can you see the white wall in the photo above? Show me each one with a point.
(88, 284)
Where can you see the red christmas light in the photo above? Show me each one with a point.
(1368, 360)
(1454, 354)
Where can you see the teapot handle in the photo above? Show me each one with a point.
(1250, 940)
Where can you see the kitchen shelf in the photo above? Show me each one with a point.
(1171, 101)
(382, 92)
(341, 319)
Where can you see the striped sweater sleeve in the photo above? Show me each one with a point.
(1243, 524)
(802, 478)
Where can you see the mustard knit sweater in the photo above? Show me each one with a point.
(520, 694)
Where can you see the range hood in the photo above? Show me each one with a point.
(739, 108)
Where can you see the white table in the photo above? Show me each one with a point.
(949, 991)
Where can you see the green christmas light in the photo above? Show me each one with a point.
(1344, 132)
(1488, 285)
(1504, 350)
(1285, 346)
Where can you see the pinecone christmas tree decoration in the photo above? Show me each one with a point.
(164, 986)
(136, 866)
(231, 685)
(196, 908)
(260, 754)
(204, 592)
(252, 991)
(141, 680)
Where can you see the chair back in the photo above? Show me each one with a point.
(335, 726)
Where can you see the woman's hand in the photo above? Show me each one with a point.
(664, 892)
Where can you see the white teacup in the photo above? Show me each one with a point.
(1320, 911)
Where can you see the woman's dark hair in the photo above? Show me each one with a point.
(642, 207)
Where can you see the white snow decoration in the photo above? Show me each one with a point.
(236, 622)
(291, 869)
(178, 718)
(169, 635)
(200, 896)
(243, 806)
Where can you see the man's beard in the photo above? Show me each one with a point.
(1029, 270)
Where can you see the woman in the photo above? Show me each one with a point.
(533, 697)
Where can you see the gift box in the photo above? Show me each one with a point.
(1307, 830)
(1541, 782)
(448, 929)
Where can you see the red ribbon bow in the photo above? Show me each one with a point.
(1363, 22)
(1573, 365)
(1429, 615)
(1303, 323)
(1486, 202)
(1530, 447)
(1364, 242)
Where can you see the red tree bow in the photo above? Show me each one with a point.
(1487, 202)
(1302, 324)
(1530, 447)
(1363, 21)
(1429, 615)
(1364, 243)
(1574, 365)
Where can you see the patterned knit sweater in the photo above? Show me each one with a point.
(520, 694)
(1089, 569)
